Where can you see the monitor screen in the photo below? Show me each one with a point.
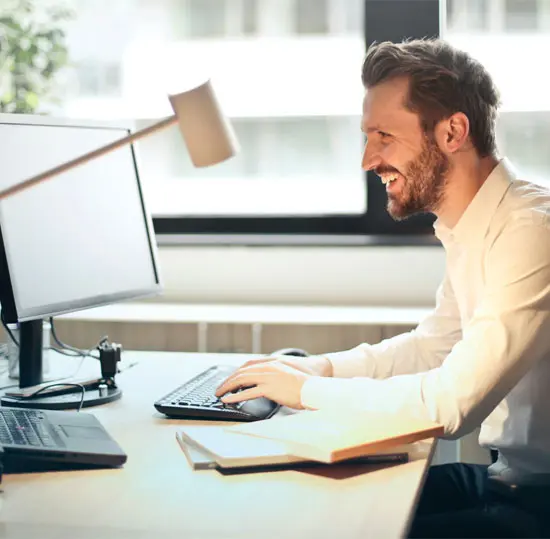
(78, 240)
(81, 239)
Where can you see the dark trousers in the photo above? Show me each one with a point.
(458, 501)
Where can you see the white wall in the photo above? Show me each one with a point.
(394, 276)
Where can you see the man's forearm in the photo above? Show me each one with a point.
(322, 365)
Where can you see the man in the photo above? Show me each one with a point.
(483, 356)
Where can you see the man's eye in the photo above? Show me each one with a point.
(384, 134)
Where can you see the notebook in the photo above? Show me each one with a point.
(207, 447)
(35, 440)
(198, 459)
(331, 436)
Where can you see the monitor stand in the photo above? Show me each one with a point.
(61, 395)
(69, 399)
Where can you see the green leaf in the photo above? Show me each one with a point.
(32, 100)
(32, 49)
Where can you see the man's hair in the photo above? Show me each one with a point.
(442, 80)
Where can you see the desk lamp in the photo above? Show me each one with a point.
(208, 135)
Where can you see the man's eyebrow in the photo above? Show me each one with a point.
(372, 129)
(366, 129)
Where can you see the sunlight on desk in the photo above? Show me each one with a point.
(156, 494)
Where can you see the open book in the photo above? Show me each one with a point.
(332, 436)
(207, 447)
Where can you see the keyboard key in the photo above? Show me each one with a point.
(25, 427)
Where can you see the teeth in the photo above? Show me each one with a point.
(388, 178)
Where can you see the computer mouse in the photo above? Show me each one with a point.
(290, 352)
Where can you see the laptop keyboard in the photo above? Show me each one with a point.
(24, 427)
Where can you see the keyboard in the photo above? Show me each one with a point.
(196, 399)
(25, 428)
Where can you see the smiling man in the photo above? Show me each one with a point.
(482, 358)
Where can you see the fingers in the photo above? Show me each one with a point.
(253, 373)
(238, 380)
(227, 385)
(251, 362)
(245, 395)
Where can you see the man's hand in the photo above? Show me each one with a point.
(273, 379)
(313, 365)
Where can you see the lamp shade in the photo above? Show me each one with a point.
(207, 133)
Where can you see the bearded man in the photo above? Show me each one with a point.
(482, 358)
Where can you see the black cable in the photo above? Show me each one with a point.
(68, 348)
(64, 348)
(54, 379)
(81, 353)
(77, 370)
(61, 344)
(8, 387)
(82, 389)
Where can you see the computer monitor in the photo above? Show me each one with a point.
(83, 239)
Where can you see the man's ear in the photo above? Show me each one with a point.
(452, 133)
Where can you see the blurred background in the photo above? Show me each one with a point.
(287, 73)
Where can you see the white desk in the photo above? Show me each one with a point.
(157, 496)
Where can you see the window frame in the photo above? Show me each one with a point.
(416, 18)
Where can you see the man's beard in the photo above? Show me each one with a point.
(424, 186)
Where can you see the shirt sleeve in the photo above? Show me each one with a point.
(506, 336)
(419, 350)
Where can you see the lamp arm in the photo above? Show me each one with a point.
(43, 176)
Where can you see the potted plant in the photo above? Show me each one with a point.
(33, 50)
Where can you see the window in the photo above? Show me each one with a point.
(467, 14)
(287, 73)
(523, 137)
(521, 15)
(297, 179)
(200, 18)
(248, 17)
(512, 56)
(288, 79)
(217, 19)
(98, 78)
(311, 17)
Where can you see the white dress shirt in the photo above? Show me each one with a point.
(483, 356)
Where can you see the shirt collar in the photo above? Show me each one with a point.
(474, 222)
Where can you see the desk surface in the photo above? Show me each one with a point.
(156, 494)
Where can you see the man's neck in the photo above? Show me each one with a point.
(463, 183)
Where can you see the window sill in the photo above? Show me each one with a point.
(301, 240)
(181, 313)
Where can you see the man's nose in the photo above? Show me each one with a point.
(371, 157)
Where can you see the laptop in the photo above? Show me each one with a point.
(42, 440)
